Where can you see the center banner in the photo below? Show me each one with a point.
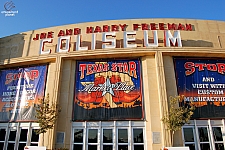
(108, 90)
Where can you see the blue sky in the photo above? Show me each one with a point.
(38, 14)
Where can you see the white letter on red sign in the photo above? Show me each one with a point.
(67, 47)
(42, 51)
(173, 39)
(111, 41)
(93, 41)
(155, 37)
(131, 39)
(78, 44)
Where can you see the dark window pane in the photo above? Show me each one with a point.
(122, 147)
(23, 135)
(77, 147)
(34, 136)
(122, 136)
(138, 135)
(21, 146)
(219, 146)
(2, 134)
(78, 135)
(10, 146)
(138, 147)
(92, 147)
(92, 135)
(191, 146)
(107, 147)
(188, 135)
(34, 144)
(12, 135)
(217, 133)
(1, 145)
(205, 146)
(203, 134)
(107, 135)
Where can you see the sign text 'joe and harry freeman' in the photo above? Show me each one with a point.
(109, 36)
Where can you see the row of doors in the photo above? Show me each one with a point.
(15, 136)
(117, 135)
(108, 136)
(204, 136)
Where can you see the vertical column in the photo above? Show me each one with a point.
(53, 90)
(154, 99)
(85, 136)
(114, 135)
(211, 138)
(146, 96)
(162, 94)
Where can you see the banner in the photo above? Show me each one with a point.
(20, 90)
(202, 81)
(108, 90)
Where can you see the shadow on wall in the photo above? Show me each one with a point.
(198, 43)
(11, 47)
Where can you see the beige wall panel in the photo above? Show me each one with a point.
(66, 100)
(170, 76)
(63, 114)
(222, 41)
(153, 123)
(154, 105)
(65, 75)
(65, 86)
(52, 67)
(147, 104)
(190, 35)
(157, 146)
(202, 25)
(205, 37)
(148, 138)
(51, 78)
(221, 27)
(153, 94)
(214, 39)
(153, 84)
(213, 27)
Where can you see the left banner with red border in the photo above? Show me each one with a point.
(20, 90)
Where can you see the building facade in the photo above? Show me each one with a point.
(113, 80)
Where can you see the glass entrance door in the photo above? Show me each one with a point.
(118, 135)
(2, 137)
(218, 138)
(12, 138)
(203, 137)
(22, 139)
(15, 136)
(189, 137)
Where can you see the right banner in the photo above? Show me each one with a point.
(202, 81)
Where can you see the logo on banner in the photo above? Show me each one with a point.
(110, 91)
